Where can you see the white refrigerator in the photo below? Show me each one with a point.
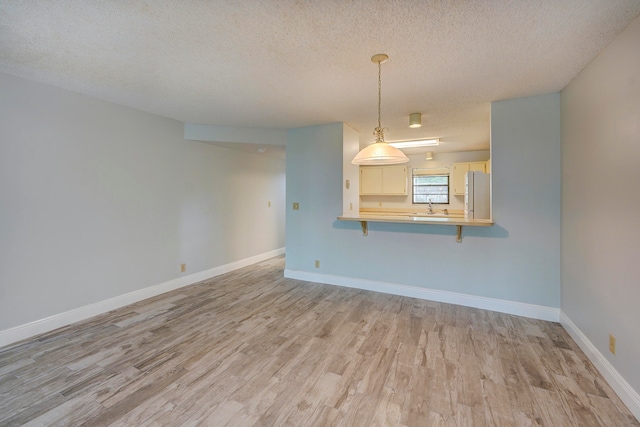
(477, 196)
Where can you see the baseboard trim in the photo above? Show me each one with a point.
(623, 389)
(28, 330)
(503, 306)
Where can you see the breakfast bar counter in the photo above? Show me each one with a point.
(459, 222)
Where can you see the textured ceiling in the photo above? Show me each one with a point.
(293, 63)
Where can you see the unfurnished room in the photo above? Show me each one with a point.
(319, 213)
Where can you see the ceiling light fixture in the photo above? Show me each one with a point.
(415, 120)
(416, 143)
(379, 153)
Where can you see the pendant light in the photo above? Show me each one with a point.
(379, 153)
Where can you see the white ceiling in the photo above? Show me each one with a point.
(294, 63)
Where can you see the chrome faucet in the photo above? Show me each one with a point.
(430, 208)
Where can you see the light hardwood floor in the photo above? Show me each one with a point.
(251, 348)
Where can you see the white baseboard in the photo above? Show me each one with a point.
(28, 330)
(493, 304)
(623, 389)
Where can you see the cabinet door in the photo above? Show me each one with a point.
(477, 167)
(370, 180)
(458, 178)
(394, 180)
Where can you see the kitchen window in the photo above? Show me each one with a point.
(430, 185)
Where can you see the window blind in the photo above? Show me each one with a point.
(429, 172)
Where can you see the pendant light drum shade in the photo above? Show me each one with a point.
(379, 153)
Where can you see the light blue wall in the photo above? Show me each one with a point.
(517, 260)
(601, 203)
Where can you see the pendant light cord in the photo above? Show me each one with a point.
(379, 92)
(379, 132)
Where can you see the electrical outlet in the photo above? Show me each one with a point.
(350, 206)
(183, 268)
(317, 263)
(296, 206)
(269, 204)
(612, 344)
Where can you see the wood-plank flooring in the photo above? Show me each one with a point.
(251, 348)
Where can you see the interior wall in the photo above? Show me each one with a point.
(99, 200)
(600, 169)
(518, 259)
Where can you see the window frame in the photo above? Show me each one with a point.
(442, 172)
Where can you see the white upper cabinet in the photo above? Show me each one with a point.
(383, 180)
(459, 172)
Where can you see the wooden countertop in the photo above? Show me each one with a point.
(406, 219)
(364, 217)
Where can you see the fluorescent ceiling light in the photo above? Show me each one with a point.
(415, 143)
